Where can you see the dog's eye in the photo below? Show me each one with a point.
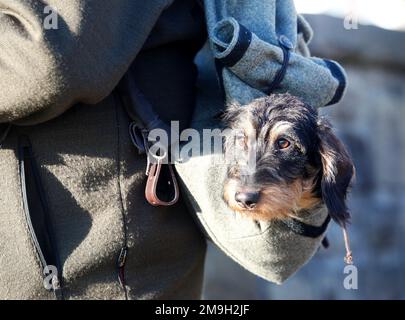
(283, 143)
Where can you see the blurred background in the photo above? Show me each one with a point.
(368, 38)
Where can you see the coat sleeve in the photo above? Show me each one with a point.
(60, 53)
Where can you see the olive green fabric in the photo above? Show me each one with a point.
(93, 177)
(44, 71)
(245, 39)
(266, 249)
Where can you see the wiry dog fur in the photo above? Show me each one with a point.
(300, 163)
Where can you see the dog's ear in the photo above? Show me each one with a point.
(337, 173)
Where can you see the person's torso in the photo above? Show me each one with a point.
(93, 205)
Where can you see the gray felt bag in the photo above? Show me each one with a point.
(259, 47)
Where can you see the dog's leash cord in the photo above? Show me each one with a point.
(349, 257)
(300, 228)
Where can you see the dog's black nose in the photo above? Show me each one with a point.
(247, 200)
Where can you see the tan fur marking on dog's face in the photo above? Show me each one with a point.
(308, 199)
(276, 201)
(229, 192)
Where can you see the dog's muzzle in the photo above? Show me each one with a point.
(247, 200)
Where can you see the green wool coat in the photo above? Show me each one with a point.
(57, 89)
(92, 177)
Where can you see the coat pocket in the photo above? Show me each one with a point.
(37, 217)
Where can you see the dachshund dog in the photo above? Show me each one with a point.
(299, 163)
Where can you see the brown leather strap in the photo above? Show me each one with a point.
(154, 175)
(161, 189)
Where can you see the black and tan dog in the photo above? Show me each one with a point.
(298, 164)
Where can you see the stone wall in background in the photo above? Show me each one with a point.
(371, 121)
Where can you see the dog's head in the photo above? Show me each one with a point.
(285, 160)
